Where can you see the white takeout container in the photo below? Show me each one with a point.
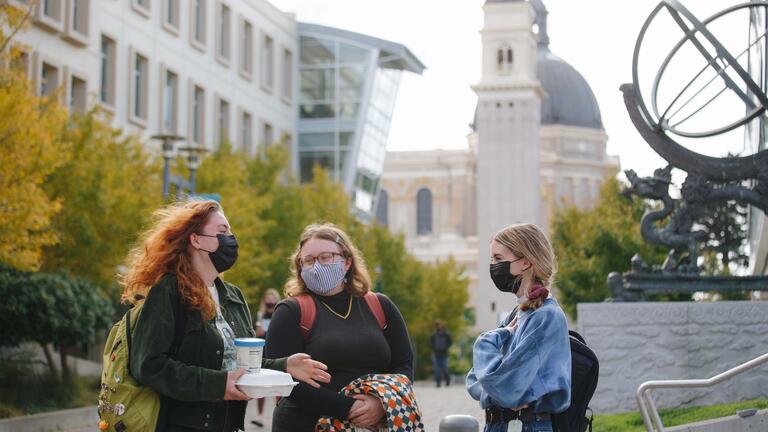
(266, 383)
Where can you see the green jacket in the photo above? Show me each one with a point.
(191, 383)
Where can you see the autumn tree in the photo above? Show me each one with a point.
(107, 191)
(31, 148)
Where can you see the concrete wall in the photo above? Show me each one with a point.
(637, 342)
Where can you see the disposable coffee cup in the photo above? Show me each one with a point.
(249, 353)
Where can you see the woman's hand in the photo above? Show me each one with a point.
(232, 392)
(512, 326)
(303, 368)
(366, 414)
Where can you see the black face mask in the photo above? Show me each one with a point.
(225, 256)
(503, 279)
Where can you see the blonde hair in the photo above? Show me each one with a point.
(357, 281)
(268, 292)
(529, 242)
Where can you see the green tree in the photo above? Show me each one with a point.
(50, 308)
(31, 147)
(590, 244)
(107, 191)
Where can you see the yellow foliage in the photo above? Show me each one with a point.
(31, 147)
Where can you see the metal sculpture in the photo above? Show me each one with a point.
(710, 181)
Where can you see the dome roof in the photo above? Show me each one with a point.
(569, 99)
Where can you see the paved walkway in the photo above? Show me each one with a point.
(435, 404)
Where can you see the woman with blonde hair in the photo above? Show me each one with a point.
(328, 271)
(183, 343)
(521, 371)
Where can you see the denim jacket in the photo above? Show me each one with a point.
(531, 365)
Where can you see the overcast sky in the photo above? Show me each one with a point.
(434, 110)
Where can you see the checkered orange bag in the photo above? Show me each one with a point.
(401, 413)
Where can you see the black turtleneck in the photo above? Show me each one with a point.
(351, 348)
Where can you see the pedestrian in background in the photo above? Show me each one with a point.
(439, 342)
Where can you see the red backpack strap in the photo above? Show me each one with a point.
(374, 304)
(307, 313)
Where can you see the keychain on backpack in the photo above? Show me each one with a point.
(515, 426)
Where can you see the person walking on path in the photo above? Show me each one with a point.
(439, 342)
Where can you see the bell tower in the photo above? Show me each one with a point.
(507, 123)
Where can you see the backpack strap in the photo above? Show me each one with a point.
(307, 313)
(374, 304)
(179, 323)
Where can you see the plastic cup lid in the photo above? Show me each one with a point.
(250, 342)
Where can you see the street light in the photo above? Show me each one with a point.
(193, 163)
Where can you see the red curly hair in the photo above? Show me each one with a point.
(163, 249)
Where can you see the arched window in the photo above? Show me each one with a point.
(382, 208)
(504, 58)
(424, 212)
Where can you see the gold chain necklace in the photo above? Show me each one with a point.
(345, 316)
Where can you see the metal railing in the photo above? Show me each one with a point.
(648, 407)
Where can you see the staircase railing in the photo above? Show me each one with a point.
(648, 408)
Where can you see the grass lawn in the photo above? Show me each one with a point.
(632, 422)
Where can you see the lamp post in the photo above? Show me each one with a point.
(193, 163)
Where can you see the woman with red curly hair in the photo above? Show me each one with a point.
(192, 365)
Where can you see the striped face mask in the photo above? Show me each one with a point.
(323, 278)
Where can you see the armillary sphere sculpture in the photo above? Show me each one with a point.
(727, 91)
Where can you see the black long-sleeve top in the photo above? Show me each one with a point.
(350, 347)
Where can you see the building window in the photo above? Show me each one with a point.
(171, 16)
(170, 101)
(77, 94)
(223, 33)
(246, 133)
(222, 122)
(139, 89)
(504, 59)
(287, 75)
(308, 160)
(267, 137)
(143, 7)
(268, 62)
(108, 71)
(197, 114)
(198, 20)
(382, 208)
(78, 21)
(50, 14)
(424, 212)
(246, 48)
(50, 79)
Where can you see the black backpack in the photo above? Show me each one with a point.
(584, 371)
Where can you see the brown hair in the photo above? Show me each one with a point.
(358, 282)
(163, 249)
(528, 241)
